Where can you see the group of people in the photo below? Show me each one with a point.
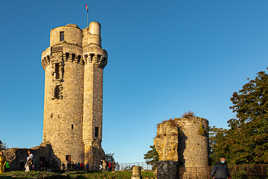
(5, 166)
(107, 165)
(103, 166)
(219, 171)
(74, 166)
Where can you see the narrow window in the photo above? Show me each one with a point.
(79, 58)
(57, 70)
(57, 92)
(72, 126)
(61, 36)
(68, 158)
(73, 56)
(67, 55)
(96, 132)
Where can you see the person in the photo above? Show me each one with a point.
(220, 170)
(113, 166)
(2, 162)
(104, 165)
(7, 166)
(110, 166)
(63, 167)
(100, 165)
(87, 166)
(29, 161)
(82, 167)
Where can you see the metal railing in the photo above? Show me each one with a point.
(128, 166)
(236, 171)
(250, 171)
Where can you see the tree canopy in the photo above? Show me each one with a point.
(151, 156)
(246, 140)
(2, 145)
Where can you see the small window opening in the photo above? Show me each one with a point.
(96, 132)
(72, 126)
(68, 158)
(98, 57)
(57, 92)
(67, 55)
(79, 58)
(61, 36)
(73, 56)
(57, 70)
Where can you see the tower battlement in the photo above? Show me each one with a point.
(73, 65)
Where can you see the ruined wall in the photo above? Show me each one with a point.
(193, 143)
(184, 140)
(44, 153)
(166, 141)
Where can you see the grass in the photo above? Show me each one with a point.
(23, 175)
(72, 175)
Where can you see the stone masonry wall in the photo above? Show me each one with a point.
(43, 157)
(63, 116)
(184, 140)
(166, 141)
(73, 93)
(93, 89)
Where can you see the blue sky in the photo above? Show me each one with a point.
(165, 58)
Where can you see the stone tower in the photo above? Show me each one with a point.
(73, 66)
(184, 141)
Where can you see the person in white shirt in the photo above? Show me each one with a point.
(29, 161)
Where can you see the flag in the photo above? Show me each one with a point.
(86, 8)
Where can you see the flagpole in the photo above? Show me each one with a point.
(87, 14)
(87, 18)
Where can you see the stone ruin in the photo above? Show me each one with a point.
(136, 172)
(182, 143)
(44, 157)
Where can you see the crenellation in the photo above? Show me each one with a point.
(45, 61)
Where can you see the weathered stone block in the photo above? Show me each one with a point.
(167, 170)
(136, 172)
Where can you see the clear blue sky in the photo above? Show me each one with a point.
(165, 58)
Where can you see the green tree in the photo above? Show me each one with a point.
(248, 133)
(246, 140)
(217, 144)
(151, 157)
(2, 146)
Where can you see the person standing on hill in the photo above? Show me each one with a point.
(110, 166)
(2, 162)
(29, 161)
(220, 170)
(104, 165)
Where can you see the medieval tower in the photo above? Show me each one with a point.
(73, 65)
